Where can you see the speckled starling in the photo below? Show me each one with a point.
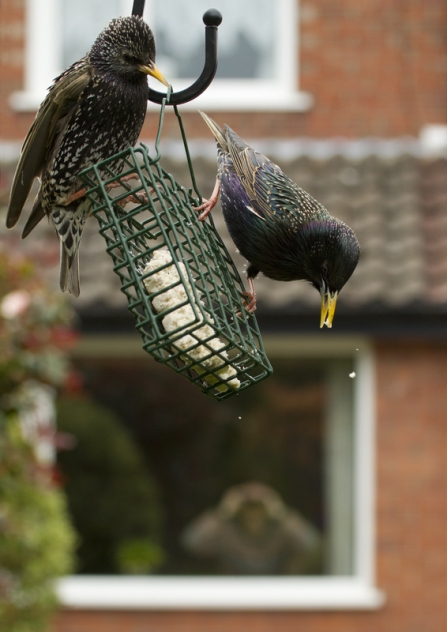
(279, 228)
(93, 110)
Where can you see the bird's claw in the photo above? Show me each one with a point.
(135, 198)
(112, 185)
(74, 196)
(139, 197)
(206, 206)
(117, 183)
(250, 305)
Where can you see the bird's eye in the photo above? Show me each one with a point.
(131, 59)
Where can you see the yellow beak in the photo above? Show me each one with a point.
(328, 304)
(154, 72)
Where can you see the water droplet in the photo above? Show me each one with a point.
(239, 417)
(352, 375)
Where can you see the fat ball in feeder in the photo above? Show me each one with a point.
(180, 282)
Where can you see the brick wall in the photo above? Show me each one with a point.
(412, 485)
(375, 68)
(411, 519)
(12, 33)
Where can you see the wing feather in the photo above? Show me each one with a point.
(36, 215)
(59, 104)
(263, 181)
(272, 194)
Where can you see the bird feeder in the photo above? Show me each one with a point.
(181, 283)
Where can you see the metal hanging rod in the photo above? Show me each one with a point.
(212, 19)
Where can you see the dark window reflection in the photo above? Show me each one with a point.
(251, 471)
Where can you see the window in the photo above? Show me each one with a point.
(298, 447)
(258, 48)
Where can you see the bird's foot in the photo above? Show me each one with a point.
(73, 197)
(207, 205)
(135, 198)
(250, 304)
(118, 183)
(81, 193)
(139, 197)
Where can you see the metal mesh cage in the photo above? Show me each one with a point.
(180, 282)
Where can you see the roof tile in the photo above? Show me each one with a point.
(396, 205)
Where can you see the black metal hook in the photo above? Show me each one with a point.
(138, 7)
(211, 18)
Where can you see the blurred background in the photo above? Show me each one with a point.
(334, 467)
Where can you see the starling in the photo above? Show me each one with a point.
(93, 110)
(279, 228)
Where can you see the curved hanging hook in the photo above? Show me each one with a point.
(211, 18)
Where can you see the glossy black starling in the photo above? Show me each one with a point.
(279, 228)
(93, 110)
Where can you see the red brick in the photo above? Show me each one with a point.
(374, 68)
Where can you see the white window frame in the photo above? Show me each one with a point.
(43, 55)
(356, 591)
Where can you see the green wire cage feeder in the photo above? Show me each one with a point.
(180, 281)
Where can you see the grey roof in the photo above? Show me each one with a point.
(397, 205)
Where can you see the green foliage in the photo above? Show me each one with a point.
(112, 498)
(35, 328)
(36, 538)
(139, 556)
(36, 542)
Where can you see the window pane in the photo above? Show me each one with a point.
(258, 484)
(246, 37)
(82, 21)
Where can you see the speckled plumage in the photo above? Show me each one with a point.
(93, 110)
(280, 229)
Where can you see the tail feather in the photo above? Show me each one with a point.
(216, 130)
(69, 224)
(36, 215)
(69, 272)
